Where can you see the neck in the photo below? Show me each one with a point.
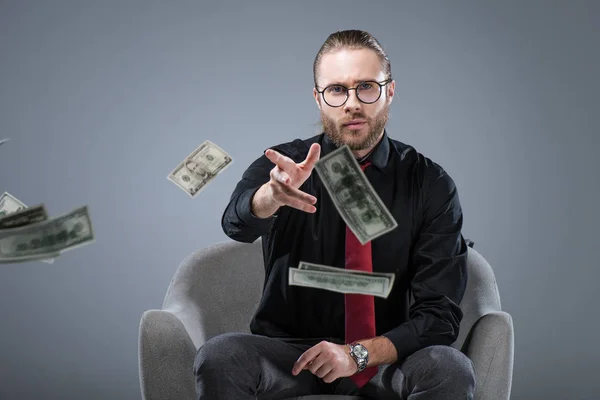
(360, 154)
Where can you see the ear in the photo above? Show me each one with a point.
(317, 98)
(391, 89)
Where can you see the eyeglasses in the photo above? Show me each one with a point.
(367, 92)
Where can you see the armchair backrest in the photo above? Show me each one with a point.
(217, 289)
(481, 295)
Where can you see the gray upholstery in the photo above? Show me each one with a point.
(216, 290)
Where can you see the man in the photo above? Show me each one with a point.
(307, 340)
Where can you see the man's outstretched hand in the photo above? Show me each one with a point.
(285, 179)
(328, 361)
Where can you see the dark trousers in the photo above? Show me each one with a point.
(243, 366)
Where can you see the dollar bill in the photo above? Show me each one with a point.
(340, 282)
(326, 268)
(47, 238)
(26, 216)
(9, 204)
(388, 276)
(200, 168)
(2, 141)
(353, 196)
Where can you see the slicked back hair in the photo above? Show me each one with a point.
(352, 39)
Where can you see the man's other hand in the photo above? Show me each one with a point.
(328, 361)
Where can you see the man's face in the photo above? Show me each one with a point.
(349, 68)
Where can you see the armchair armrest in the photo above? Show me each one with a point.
(166, 357)
(490, 346)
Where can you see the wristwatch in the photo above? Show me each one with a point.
(360, 354)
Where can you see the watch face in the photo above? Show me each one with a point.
(360, 351)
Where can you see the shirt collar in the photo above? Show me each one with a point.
(378, 156)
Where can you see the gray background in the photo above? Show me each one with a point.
(103, 99)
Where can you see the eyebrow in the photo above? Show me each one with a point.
(354, 82)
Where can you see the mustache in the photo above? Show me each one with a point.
(355, 116)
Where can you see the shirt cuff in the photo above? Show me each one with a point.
(404, 340)
(243, 208)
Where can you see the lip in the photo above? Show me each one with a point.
(355, 122)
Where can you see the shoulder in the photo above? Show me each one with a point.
(296, 149)
(427, 173)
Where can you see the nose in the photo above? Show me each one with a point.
(353, 103)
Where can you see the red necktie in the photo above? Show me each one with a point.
(360, 308)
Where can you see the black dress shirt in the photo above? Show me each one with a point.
(427, 251)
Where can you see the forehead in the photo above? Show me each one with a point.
(349, 67)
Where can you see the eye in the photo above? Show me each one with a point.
(335, 89)
(365, 86)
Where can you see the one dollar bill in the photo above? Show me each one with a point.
(14, 213)
(47, 238)
(200, 168)
(353, 196)
(341, 280)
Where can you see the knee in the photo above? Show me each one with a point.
(449, 364)
(218, 354)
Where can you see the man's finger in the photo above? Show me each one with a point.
(306, 357)
(298, 204)
(319, 366)
(331, 376)
(298, 194)
(314, 153)
(281, 176)
(283, 162)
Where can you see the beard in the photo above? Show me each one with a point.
(356, 139)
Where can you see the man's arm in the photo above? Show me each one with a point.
(238, 220)
(439, 259)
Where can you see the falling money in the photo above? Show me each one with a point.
(26, 216)
(10, 204)
(48, 238)
(200, 168)
(341, 280)
(353, 196)
(12, 215)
